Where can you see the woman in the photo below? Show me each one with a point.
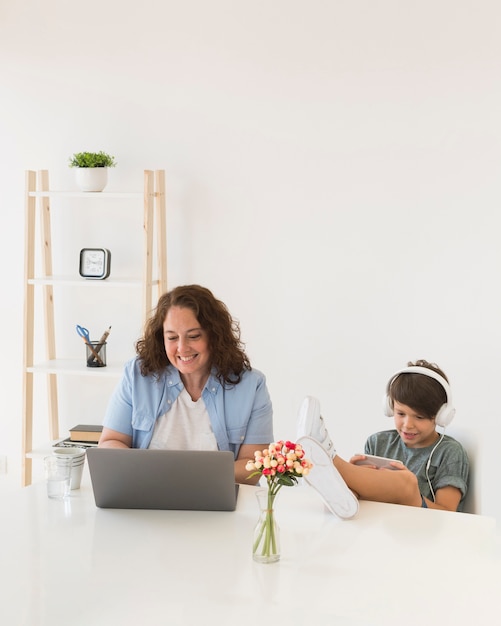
(191, 385)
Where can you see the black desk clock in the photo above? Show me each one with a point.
(95, 263)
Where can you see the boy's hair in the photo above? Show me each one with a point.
(423, 394)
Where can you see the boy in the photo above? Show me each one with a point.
(433, 468)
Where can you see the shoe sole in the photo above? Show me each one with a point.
(308, 412)
(326, 480)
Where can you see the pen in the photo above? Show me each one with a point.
(101, 343)
(103, 339)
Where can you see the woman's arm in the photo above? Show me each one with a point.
(245, 454)
(114, 439)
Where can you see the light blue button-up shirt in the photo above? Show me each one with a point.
(239, 414)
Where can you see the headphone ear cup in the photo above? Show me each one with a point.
(445, 415)
(387, 405)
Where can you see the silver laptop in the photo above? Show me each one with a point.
(135, 478)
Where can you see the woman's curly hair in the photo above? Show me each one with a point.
(227, 353)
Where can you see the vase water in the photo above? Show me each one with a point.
(266, 544)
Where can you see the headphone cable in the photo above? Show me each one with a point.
(429, 463)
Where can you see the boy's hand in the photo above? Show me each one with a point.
(376, 462)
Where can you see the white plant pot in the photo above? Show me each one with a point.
(91, 178)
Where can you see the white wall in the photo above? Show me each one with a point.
(333, 175)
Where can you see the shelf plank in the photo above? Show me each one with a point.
(75, 367)
(72, 281)
(41, 450)
(85, 194)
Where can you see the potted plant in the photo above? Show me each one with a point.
(92, 169)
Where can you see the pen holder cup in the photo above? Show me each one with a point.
(95, 353)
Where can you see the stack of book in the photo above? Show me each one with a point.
(82, 436)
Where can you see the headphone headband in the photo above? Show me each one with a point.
(446, 412)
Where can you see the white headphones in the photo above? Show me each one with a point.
(446, 412)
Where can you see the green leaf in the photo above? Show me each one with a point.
(287, 481)
(92, 159)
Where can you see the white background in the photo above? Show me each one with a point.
(333, 175)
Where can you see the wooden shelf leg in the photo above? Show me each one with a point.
(29, 304)
(161, 225)
(149, 194)
(48, 297)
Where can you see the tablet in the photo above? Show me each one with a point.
(380, 462)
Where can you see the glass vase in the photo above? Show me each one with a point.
(266, 544)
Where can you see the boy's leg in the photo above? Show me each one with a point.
(393, 486)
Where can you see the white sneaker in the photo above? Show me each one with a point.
(311, 424)
(327, 481)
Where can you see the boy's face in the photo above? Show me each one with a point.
(415, 430)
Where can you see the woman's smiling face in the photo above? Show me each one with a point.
(186, 343)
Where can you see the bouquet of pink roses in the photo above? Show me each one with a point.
(282, 463)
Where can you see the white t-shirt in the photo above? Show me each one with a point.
(186, 426)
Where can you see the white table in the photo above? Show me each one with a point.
(73, 564)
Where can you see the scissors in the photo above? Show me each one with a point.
(84, 333)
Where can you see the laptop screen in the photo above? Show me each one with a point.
(198, 480)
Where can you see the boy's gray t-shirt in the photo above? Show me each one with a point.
(449, 465)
